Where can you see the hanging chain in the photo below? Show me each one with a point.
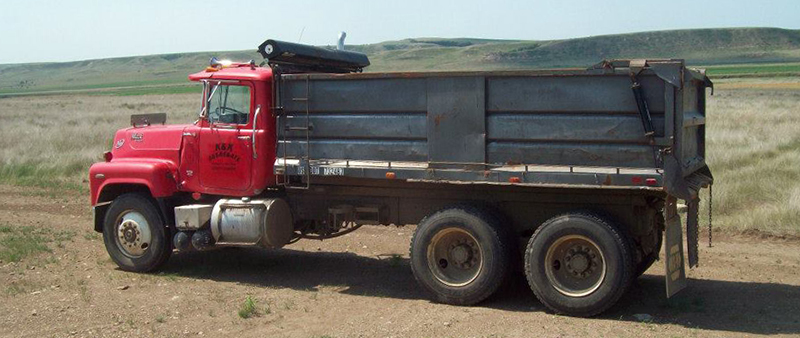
(710, 205)
(693, 231)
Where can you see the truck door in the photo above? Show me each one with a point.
(225, 140)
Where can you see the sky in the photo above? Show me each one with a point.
(70, 30)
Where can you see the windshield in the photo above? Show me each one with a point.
(228, 104)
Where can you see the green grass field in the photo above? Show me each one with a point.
(754, 70)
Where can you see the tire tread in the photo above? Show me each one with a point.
(501, 235)
(147, 203)
(627, 267)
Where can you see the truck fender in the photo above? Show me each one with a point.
(111, 179)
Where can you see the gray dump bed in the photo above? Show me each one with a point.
(569, 127)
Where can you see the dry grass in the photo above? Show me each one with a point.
(754, 153)
(753, 142)
(51, 140)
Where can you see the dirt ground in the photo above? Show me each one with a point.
(354, 287)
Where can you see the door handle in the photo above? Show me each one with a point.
(244, 137)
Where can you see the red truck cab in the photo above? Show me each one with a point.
(228, 151)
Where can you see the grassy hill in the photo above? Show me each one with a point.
(700, 46)
(780, 48)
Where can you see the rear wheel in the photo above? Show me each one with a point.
(460, 255)
(134, 234)
(578, 264)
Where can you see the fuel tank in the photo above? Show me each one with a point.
(264, 222)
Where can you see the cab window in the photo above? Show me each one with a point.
(228, 104)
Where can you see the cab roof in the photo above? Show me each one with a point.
(234, 72)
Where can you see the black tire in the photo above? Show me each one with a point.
(158, 248)
(493, 245)
(559, 236)
(649, 259)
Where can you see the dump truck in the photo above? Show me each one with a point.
(570, 176)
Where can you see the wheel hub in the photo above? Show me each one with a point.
(575, 265)
(454, 257)
(130, 232)
(133, 234)
(581, 261)
(463, 254)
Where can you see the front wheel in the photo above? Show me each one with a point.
(578, 264)
(460, 255)
(134, 234)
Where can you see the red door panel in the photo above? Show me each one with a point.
(226, 153)
(226, 157)
(223, 160)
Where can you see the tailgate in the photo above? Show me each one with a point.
(685, 174)
(685, 168)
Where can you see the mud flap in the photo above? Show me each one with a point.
(99, 215)
(673, 248)
(693, 232)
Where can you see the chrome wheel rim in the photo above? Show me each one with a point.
(133, 235)
(575, 266)
(455, 257)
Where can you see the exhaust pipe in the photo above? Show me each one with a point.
(340, 44)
